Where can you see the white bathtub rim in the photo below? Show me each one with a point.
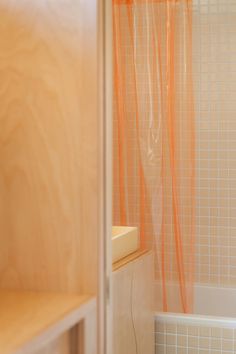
(199, 320)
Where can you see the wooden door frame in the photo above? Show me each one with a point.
(105, 91)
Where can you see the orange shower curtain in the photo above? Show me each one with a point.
(154, 138)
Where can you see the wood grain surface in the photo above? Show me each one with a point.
(30, 321)
(133, 316)
(48, 145)
(60, 345)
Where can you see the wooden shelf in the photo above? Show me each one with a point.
(28, 320)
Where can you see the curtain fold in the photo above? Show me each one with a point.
(154, 142)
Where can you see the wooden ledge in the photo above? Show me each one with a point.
(131, 257)
(28, 320)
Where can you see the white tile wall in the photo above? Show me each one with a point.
(214, 45)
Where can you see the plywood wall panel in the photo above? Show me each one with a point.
(61, 345)
(133, 304)
(143, 304)
(48, 145)
(124, 340)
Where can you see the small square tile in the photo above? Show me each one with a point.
(170, 349)
(182, 329)
(227, 333)
(227, 345)
(171, 328)
(193, 330)
(160, 327)
(160, 349)
(181, 350)
(192, 351)
(203, 351)
(204, 331)
(160, 338)
(204, 342)
(171, 339)
(216, 343)
(193, 342)
(182, 340)
(216, 332)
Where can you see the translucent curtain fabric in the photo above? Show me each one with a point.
(154, 138)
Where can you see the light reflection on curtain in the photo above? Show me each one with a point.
(154, 138)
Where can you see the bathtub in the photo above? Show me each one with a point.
(211, 329)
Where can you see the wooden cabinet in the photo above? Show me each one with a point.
(133, 317)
